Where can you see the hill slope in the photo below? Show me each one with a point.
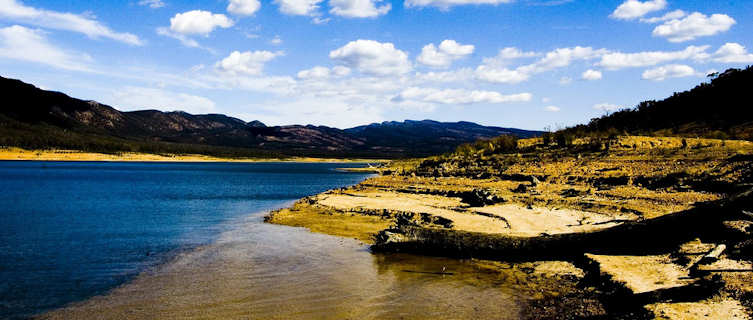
(721, 108)
(35, 118)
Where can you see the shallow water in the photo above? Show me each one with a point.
(266, 271)
(150, 241)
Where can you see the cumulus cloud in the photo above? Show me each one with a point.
(443, 56)
(154, 4)
(619, 60)
(299, 7)
(359, 8)
(459, 96)
(558, 58)
(552, 108)
(669, 71)
(506, 56)
(563, 57)
(462, 74)
(24, 44)
(733, 53)
(198, 22)
(633, 9)
(15, 11)
(243, 7)
(608, 107)
(319, 72)
(677, 14)
(693, 26)
(501, 75)
(372, 57)
(447, 4)
(139, 98)
(246, 63)
(591, 75)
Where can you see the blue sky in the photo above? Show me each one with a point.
(513, 63)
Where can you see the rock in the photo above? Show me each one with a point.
(479, 198)
(713, 256)
(520, 189)
(739, 228)
(385, 237)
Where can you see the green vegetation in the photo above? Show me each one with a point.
(718, 109)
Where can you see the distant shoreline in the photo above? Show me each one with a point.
(19, 154)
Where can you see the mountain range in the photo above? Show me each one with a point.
(39, 119)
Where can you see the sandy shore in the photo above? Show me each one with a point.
(18, 154)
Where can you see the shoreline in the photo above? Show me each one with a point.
(606, 212)
(533, 283)
(19, 154)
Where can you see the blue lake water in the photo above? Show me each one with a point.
(73, 230)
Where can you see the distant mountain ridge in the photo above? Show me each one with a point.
(35, 118)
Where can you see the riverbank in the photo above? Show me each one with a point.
(18, 154)
(626, 199)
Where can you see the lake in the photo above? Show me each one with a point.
(187, 240)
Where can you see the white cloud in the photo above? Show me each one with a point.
(15, 11)
(446, 4)
(552, 108)
(618, 60)
(299, 7)
(563, 57)
(501, 75)
(140, 98)
(632, 9)
(554, 59)
(314, 73)
(459, 96)
(565, 81)
(373, 57)
(693, 26)
(669, 71)
(198, 22)
(24, 44)
(340, 71)
(186, 41)
(442, 57)
(276, 41)
(321, 111)
(358, 8)
(608, 107)
(591, 75)
(246, 63)
(319, 72)
(733, 53)
(677, 14)
(506, 56)
(458, 75)
(243, 7)
(154, 4)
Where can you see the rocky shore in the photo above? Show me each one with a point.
(659, 227)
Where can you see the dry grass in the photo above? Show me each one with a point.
(12, 153)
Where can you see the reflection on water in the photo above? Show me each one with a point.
(266, 271)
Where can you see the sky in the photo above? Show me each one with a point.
(530, 64)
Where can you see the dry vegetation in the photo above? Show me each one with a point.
(498, 201)
(12, 153)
